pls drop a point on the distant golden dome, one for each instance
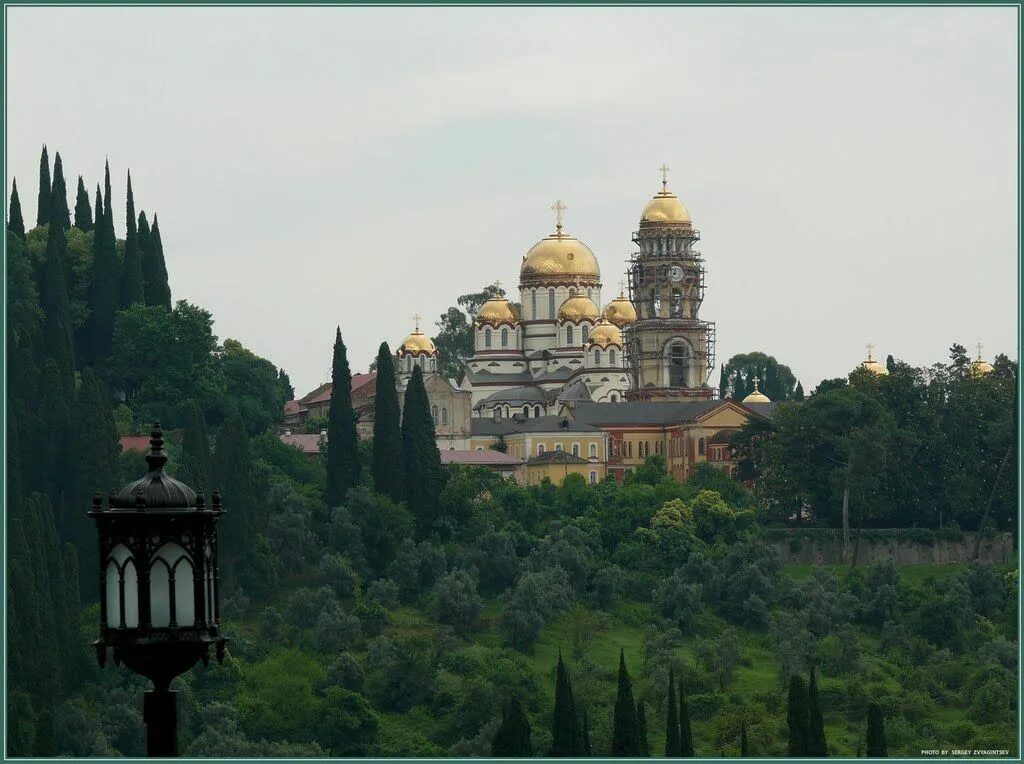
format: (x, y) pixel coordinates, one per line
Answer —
(981, 367)
(757, 396)
(417, 343)
(874, 366)
(497, 310)
(604, 334)
(560, 258)
(666, 208)
(579, 307)
(620, 311)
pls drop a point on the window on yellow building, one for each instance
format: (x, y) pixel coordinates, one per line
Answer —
(575, 449)
(593, 450)
(593, 477)
(700, 446)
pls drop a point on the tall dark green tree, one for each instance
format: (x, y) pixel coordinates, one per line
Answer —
(57, 309)
(685, 731)
(83, 211)
(817, 745)
(642, 744)
(387, 429)
(797, 716)
(45, 189)
(232, 476)
(565, 732)
(99, 206)
(15, 221)
(154, 270)
(774, 379)
(625, 740)
(194, 469)
(59, 212)
(286, 385)
(673, 747)
(424, 476)
(876, 746)
(342, 438)
(512, 740)
(798, 394)
(103, 290)
(132, 288)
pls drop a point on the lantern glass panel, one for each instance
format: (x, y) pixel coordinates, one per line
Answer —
(171, 558)
(208, 572)
(120, 574)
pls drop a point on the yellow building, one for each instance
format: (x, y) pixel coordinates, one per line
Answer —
(556, 466)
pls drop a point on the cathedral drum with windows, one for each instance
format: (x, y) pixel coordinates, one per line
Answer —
(669, 349)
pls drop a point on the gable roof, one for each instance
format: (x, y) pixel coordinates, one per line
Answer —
(322, 394)
(556, 457)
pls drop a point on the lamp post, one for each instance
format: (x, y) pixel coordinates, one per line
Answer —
(159, 604)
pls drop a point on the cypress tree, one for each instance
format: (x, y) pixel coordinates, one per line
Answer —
(817, 745)
(798, 394)
(797, 716)
(588, 749)
(144, 245)
(194, 470)
(513, 736)
(231, 475)
(83, 212)
(154, 270)
(876, 747)
(45, 189)
(564, 730)
(643, 746)
(99, 205)
(387, 429)
(743, 741)
(342, 438)
(685, 732)
(103, 291)
(673, 747)
(57, 308)
(132, 289)
(106, 189)
(624, 725)
(59, 203)
(15, 222)
(424, 477)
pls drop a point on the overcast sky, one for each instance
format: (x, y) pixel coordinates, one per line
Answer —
(853, 172)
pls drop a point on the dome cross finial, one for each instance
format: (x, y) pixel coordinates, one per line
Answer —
(416, 320)
(870, 348)
(979, 349)
(559, 209)
(664, 176)
(757, 379)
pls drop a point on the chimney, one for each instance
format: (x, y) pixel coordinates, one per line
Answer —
(287, 432)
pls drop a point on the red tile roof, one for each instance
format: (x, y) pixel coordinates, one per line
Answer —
(292, 407)
(309, 443)
(323, 393)
(486, 457)
(135, 443)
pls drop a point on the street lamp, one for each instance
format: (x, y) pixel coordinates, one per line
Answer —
(159, 603)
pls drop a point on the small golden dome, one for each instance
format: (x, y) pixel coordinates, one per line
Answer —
(604, 334)
(981, 367)
(666, 208)
(757, 396)
(497, 310)
(874, 367)
(579, 307)
(620, 311)
(417, 343)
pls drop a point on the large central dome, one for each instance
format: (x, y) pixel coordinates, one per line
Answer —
(560, 258)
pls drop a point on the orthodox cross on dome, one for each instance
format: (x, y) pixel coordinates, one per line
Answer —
(559, 209)
(756, 380)
(870, 347)
(979, 349)
(664, 176)
(416, 319)
(497, 285)
(622, 287)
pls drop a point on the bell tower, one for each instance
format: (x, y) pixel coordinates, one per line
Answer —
(670, 350)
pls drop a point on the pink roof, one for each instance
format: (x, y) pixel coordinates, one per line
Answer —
(486, 457)
(358, 380)
(135, 443)
(291, 407)
(308, 442)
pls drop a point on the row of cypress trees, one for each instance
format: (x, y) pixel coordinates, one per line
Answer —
(406, 463)
(806, 722)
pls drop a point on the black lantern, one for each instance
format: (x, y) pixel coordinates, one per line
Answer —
(158, 586)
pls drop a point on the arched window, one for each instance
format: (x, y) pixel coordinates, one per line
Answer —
(593, 450)
(444, 415)
(568, 335)
(676, 309)
(540, 449)
(497, 413)
(558, 446)
(586, 333)
(526, 412)
(614, 398)
(611, 356)
(700, 446)
(551, 304)
(597, 356)
(575, 449)
(504, 337)
(487, 338)
(536, 411)
(677, 365)
(433, 413)
(533, 304)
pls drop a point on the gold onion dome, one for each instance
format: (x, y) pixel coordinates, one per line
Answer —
(870, 364)
(497, 310)
(620, 311)
(417, 342)
(604, 334)
(665, 207)
(980, 367)
(560, 257)
(757, 396)
(579, 307)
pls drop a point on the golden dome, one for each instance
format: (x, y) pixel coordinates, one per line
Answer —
(560, 258)
(874, 367)
(666, 208)
(497, 310)
(604, 334)
(579, 307)
(757, 396)
(417, 343)
(980, 367)
(620, 311)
